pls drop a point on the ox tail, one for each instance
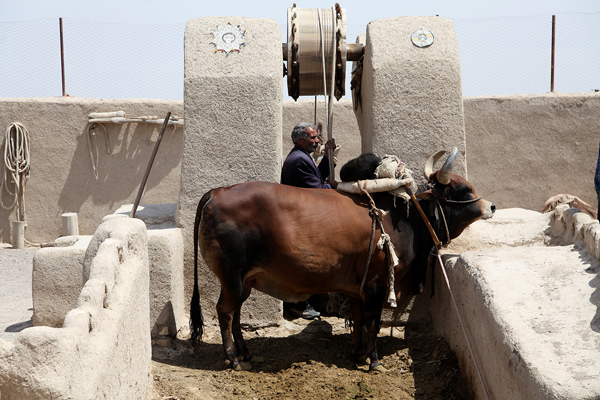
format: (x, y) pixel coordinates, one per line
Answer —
(196, 319)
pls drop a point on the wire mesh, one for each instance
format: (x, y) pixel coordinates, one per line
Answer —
(30, 58)
(577, 59)
(505, 55)
(499, 56)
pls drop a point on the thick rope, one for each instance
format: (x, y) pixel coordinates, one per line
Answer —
(339, 303)
(328, 102)
(331, 93)
(323, 63)
(16, 167)
(371, 242)
(462, 325)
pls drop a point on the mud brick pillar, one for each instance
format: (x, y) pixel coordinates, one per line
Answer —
(232, 134)
(411, 94)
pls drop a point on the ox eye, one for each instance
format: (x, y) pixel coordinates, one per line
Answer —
(459, 193)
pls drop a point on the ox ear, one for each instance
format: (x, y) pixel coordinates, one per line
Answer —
(435, 192)
(426, 195)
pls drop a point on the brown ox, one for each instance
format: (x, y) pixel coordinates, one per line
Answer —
(292, 243)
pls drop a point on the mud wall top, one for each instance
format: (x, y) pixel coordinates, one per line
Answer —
(520, 151)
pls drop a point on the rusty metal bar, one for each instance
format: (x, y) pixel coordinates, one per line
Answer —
(353, 51)
(552, 57)
(62, 56)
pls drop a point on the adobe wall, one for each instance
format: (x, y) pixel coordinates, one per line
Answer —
(521, 150)
(103, 348)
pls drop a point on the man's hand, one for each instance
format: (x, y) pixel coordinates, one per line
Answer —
(330, 144)
(334, 184)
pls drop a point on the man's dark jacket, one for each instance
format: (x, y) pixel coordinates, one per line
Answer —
(300, 170)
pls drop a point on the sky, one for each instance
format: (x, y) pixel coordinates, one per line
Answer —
(504, 44)
(357, 12)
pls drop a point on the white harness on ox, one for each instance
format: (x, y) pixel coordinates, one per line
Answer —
(395, 178)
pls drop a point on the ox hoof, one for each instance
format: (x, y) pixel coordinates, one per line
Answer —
(380, 369)
(243, 366)
(361, 360)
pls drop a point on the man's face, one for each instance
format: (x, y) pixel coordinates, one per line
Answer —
(311, 141)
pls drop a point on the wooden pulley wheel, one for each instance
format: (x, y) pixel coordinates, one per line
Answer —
(314, 34)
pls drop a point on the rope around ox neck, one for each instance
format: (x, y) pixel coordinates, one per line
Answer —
(384, 242)
(439, 206)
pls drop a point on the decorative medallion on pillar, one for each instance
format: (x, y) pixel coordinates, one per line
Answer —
(228, 38)
(422, 38)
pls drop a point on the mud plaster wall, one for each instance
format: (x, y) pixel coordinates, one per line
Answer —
(520, 151)
(523, 149)
(62, 179)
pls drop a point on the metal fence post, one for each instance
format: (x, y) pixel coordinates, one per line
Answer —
(552, 58)
(62, 56)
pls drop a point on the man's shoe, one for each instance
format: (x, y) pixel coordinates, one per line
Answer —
(310, 313)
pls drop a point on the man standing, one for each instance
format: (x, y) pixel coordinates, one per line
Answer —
(299, 169)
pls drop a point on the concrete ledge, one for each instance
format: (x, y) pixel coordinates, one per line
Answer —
(103, 349)
(531, 308)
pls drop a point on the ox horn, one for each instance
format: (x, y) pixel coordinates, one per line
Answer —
(428, 170)
(444, 174)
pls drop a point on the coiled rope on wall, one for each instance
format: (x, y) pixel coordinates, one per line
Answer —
(16, 168)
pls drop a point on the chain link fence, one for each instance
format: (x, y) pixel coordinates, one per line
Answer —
(499, 56)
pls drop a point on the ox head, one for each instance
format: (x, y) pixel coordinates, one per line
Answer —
(453, 196)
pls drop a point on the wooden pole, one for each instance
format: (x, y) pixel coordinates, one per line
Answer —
(149, 167)
(436, 241)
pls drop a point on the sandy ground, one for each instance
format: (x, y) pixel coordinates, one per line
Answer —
(16, 305)
(298, 359)
(310, 360)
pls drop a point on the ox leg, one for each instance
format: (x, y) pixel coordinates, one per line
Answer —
(373, 304)
(240, 343)
(228, 306)
(358, 324)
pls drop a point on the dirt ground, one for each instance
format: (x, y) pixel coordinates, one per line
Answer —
(302, 359)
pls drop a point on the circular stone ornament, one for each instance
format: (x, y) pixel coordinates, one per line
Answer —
(422, 38)
(228, 38)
